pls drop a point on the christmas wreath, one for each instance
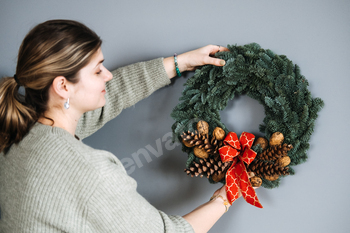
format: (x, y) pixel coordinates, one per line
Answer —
(217, 153)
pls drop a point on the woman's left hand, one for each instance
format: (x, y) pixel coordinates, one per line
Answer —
(191, 60)
(203, 56)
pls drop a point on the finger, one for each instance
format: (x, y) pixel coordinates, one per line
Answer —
(218, 191)
(214, 49)
(217, 48)
(224, 49)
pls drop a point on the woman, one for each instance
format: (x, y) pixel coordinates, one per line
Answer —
(50, 181)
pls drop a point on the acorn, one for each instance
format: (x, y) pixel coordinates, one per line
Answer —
(276, 139)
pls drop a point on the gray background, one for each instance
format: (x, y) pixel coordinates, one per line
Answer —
(313, 33)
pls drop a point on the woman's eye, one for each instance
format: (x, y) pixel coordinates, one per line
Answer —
(99, 72)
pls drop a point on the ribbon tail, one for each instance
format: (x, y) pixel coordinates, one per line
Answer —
(247, 189)
(232, 188)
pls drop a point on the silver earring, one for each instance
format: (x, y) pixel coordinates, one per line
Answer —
(66, 104)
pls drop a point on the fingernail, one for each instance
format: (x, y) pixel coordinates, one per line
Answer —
(222, 62)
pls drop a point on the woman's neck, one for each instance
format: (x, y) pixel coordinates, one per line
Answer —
(65, 121)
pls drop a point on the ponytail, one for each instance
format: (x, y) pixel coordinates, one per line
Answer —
(16, 118)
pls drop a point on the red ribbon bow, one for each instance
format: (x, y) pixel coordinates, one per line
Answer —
(237, 179)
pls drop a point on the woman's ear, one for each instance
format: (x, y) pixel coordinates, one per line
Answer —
(60, 87)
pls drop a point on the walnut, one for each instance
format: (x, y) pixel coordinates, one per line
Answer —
(284, 161)
(219, 133)
(276, 139)
(262, 142)
(203, 127)
(200, 152)
(255, 181)
(217, 178)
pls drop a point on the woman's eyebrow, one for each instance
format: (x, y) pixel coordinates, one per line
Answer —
(100, 62)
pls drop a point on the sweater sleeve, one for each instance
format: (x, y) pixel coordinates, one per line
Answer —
(116, 206)
(129, 85)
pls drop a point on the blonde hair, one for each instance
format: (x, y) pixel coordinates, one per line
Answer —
(53, 48)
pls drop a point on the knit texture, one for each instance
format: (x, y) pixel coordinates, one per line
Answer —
(53, 182)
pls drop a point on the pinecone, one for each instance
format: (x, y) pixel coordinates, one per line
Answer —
(263, 169)
(216, 145)
(208, 167)
(275, 152)
(196, 139)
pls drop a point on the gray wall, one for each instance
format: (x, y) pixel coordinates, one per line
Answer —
(313, 33)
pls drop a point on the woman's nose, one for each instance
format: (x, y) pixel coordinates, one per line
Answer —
(108, 75)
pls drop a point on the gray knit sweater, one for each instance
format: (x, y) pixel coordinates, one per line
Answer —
(53, 182)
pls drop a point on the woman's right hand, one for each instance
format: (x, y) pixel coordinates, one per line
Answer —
(222, 191)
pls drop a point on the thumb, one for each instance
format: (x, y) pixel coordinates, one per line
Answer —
(216, 61)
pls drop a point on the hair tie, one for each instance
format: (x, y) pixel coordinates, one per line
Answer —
(15, 77)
